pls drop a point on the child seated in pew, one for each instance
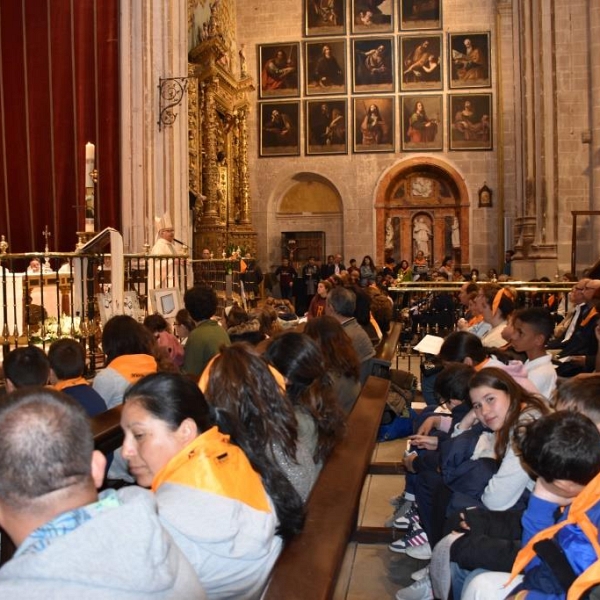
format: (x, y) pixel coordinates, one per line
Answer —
(493, 538)
(452, 390)
(531, 330)
(477, 469)
(67, 364)
(25, 366)
(563, 450)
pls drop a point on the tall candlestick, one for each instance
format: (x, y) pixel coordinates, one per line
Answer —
(90, 155)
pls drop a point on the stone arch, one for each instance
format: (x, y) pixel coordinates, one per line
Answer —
(422, 186)
(305, 202)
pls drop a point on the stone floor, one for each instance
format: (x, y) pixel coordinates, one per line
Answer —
(371, 571)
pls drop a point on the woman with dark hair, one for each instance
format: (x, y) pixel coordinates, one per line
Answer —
(339, 358)
(251, 406)
(184, 325)
(319, 301)
(309, 388)
(131, 352)
(210, 497)
(368, 272)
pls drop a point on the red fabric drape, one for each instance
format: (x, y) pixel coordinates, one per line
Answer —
(59, 89)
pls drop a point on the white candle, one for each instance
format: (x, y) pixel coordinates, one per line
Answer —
(90, 154)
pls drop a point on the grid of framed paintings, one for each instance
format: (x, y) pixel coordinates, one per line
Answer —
(382, 78)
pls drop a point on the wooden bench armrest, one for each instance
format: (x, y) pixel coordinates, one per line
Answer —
(386, 350)
(309, 565)
(106, 429)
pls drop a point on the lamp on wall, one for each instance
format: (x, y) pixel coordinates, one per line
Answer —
(485, 196)
(170, 95)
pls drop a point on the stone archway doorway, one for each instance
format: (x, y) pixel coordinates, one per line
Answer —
(422, 204)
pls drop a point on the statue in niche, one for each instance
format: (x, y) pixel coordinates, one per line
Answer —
(421, 236)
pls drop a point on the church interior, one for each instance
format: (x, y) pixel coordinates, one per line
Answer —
(297, 129)
(491, 152)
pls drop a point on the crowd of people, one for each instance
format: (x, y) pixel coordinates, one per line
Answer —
(228, 422)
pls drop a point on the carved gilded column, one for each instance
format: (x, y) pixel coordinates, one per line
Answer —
(211, 170)
(244, 176)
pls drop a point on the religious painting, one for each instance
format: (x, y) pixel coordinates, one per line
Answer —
(373, 61)
(485, 196)
(279, 129)
(373, 16)
(324, 17)
(420, 62)
(470, 121)
(325, 67)
(469, 60)
(278, 70)
(326, 127)
(374, 124)
(422, 127)
(420, 14)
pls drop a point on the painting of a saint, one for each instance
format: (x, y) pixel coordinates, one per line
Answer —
(326, 127)
(373, 65)
(422, 123)
(420, 14)
(469, 60)
(278, 75)
(470, 119)
(374, 124)
(373, 16)
(325, 17)
(421, 62)
(325, 70)
(279, 131)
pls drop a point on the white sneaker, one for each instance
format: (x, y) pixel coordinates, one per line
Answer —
(419, 590)
(422, 552)
(418, 575)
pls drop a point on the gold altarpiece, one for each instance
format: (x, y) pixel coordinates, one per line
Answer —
(218, 147)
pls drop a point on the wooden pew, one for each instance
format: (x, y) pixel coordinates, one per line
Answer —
(386, 351)
(309, 565)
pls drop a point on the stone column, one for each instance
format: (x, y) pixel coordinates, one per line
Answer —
(154, 163)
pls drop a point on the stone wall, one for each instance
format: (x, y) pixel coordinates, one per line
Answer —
(357, 176)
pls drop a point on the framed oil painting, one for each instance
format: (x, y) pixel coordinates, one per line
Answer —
(279, 129)
(326, 127)
(373, 65)
(374, 124)
(422, 127)
(325, 67)
(469, 60)
(470, 122)
(324, 17)
(420, 14)
(278, 70)
(373, 16)
(420, 62)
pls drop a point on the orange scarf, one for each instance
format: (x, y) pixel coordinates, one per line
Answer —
(588, 497)
(134, 366)
(589, 317)
(212, 464)
(475, 320)
(66, 383)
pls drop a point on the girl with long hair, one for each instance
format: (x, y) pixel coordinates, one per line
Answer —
(309, 388)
